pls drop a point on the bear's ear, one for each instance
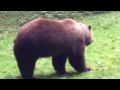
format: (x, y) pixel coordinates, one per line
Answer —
(89, 26)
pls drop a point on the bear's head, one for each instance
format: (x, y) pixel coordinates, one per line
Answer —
(88, 34)
(89, 37)
(90, 40)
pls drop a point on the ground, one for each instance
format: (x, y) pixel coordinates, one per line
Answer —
(102, 55)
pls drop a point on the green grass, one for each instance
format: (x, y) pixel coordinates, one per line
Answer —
(102, 55)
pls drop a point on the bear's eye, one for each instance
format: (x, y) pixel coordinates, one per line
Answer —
(89, 26)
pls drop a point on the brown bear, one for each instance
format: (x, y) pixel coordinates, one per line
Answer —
(60, 39)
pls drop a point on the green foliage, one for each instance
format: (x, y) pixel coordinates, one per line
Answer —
(102, 55)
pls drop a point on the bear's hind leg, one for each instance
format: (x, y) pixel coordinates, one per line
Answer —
(26, 66)
(59, 64)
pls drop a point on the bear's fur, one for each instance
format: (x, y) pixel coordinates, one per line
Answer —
(60, 39)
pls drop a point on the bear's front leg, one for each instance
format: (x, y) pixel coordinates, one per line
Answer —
(59, 64)
(77, 59)
(78, 63)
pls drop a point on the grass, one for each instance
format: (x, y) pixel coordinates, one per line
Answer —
(102, 55)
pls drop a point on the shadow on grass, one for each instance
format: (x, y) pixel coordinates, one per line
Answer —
(56, 76)
(51, 76)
